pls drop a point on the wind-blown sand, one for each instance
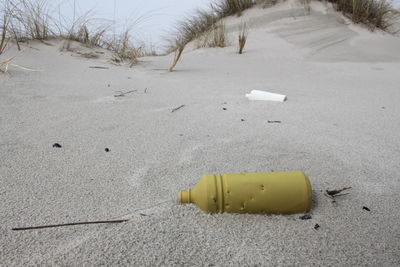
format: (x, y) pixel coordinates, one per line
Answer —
(340, 126)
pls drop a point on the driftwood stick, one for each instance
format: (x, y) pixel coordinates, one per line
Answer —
(98, 67)
(175, 109)
(124, 93)
(65, 224)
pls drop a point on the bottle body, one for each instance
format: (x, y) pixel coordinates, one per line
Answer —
(274, 192)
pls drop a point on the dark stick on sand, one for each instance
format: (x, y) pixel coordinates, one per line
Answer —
(65, 224)
(98, 67)
(124, 93)
(175, 109)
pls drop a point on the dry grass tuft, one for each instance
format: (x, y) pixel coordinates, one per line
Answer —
(226, 8)
(215, 37)
(83, 30)
(373, 13)
(189, 30)
(218, 35)
(31, 18)
(124, 49)
(243, 33)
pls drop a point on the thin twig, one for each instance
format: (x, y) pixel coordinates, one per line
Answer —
(124, 93)
(337, 191)
(16, 39)
(98, 67)
(65, 224)
(175, 109)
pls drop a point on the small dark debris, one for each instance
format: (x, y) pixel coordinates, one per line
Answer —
(274, 121)
(242, 119)
(366, 208)
(305, 217)
(383, 107)
(120, 93)
(177, 108)
(107, 149)
(181, 135)
(98, 67)
(108, 85)
(224, 108)
(337, 191)
(142, 214)
(316, 226)
(145, 90)
(57, 145)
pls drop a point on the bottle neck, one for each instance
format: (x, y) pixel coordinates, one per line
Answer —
(185, 196)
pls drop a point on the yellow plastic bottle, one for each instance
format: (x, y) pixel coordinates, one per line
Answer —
(274, 192)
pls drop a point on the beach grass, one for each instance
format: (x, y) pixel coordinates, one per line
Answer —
(24, 20)
(373, 13)
(243, 33)
(203, 22)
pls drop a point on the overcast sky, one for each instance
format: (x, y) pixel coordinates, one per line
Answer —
(157, 16)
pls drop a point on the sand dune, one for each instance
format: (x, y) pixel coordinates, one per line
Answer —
(339, 125)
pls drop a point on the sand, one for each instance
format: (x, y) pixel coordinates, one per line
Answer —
(339, 125)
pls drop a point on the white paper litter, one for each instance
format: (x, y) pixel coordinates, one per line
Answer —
(263, 95)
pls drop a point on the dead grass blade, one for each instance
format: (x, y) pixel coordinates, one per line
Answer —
(335, 192)
(178, 54)
(6, 63)
(243, 33)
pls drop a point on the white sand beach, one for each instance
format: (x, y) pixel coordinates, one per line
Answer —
(339, 125)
